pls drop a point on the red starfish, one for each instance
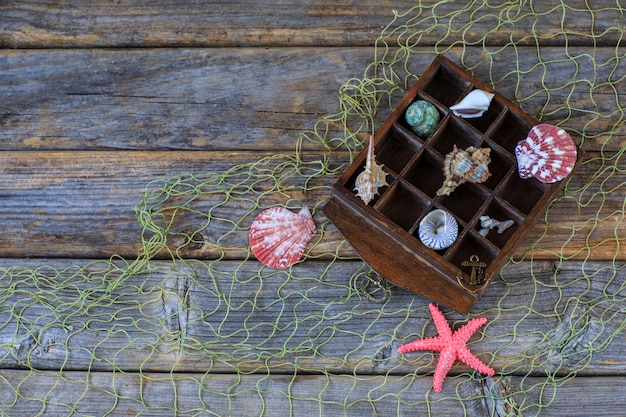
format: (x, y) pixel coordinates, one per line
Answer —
(451, 345)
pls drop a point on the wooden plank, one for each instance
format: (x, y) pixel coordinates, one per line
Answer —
(223, 99)
(82, 205)
(205, 23)
(228, 315)
(39, 24)
(25, 393)
(259, 99)
(74, 198)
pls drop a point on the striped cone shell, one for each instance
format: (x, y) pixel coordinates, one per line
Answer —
(548, 154)
(278, 236)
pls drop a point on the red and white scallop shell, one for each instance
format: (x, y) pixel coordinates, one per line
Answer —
(278, 236)
(548, 154)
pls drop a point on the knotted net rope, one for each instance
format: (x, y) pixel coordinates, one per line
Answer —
(169, 333)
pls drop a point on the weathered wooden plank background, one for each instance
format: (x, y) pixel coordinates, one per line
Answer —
(100, 98)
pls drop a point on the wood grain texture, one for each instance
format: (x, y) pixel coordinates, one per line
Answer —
(168, 99)
(40, 24)
(253, 98)
(192, 394)
(194, 318)
(204, 23)
(82, 205)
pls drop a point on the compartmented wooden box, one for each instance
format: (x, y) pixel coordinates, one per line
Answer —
(385, 232)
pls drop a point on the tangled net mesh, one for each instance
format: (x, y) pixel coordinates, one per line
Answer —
(196, 326)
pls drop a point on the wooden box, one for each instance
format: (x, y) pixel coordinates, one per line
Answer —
(384, 232)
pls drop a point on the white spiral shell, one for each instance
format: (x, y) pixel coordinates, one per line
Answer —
(438, 229)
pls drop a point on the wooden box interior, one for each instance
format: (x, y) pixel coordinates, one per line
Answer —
(384, 233)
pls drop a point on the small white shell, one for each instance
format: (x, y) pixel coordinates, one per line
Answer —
(473, 105)
(438, 229)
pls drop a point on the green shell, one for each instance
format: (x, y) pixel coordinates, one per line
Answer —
(422, 117)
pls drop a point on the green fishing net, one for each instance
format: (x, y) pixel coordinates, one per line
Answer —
(195, 326)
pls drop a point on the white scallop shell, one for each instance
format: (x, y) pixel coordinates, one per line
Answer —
(438, 229)
(279, 236)
(473, 105)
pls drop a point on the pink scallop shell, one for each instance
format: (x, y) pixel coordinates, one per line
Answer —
(548, 154)
(278, 236)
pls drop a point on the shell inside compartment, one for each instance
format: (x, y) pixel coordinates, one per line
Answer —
(438, 229)
(460, 166)
(372, 178)
(548, 154)
(473, 105)
(422, 117)
(279, 236)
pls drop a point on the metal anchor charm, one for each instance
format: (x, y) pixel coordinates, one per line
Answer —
(477, 275)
